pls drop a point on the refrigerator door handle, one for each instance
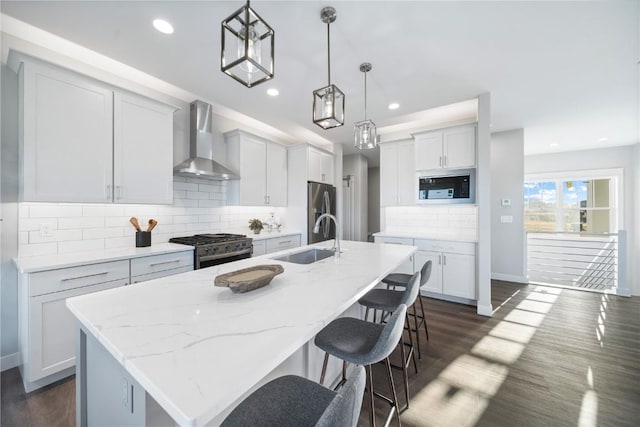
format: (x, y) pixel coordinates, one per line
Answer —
(326, 207)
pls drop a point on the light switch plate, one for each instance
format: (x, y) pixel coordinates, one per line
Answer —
(506, 219)
(505, 202)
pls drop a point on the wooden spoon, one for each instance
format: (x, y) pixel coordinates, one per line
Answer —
(152, 224)
(133, 220)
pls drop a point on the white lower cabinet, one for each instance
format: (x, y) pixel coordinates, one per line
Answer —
(275, 244)
(47, 329)
(407, 266)
(453, 267)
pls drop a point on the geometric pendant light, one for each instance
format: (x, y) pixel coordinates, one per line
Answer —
(247, 47)
(365, 135)
(328, 102)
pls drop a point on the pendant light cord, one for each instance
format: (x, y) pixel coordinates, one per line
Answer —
(329, 53)
(365, 95)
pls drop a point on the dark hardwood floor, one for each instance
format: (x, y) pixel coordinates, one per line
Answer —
(548, 357)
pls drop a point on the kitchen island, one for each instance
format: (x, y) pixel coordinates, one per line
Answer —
(178, 350)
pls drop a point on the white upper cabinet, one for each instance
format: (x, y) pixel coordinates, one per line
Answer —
(143, 150)
(66, 136)
(449, 148)
(84, 141)
(320, 166)
(262, 166)
(397, 186)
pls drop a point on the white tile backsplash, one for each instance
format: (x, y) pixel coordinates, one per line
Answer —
(76, 227)
(442, 222)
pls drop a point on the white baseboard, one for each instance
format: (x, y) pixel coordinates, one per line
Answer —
(509, 278)
(485, 310)
(9, 361)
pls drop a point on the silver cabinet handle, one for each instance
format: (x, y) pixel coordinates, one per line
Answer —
(440, 161)
(268, 200)
(439, 259)
(118, 192)
(83, 277)
(445, 161)
(108, 192)
(323, 178)
(153, 264)
(444, 260)
(284, 242)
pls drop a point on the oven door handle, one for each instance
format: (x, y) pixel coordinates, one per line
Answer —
(225, 255)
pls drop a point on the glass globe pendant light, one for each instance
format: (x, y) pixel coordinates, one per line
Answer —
(365, 134)
(247, 47)
(328, 102)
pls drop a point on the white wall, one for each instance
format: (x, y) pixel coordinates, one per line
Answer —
(625, 157)
(356, 165)
(507, 180)
(9, 214)
(373, 208)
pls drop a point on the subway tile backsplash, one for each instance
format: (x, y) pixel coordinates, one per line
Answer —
(440, 222)
(199, 206)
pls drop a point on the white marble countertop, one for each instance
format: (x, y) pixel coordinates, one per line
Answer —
(196, 348)
(421, 235)
(51, 262)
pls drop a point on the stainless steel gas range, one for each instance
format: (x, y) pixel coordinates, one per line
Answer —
(215, 249)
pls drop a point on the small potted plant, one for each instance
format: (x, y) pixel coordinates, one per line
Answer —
(255, 225)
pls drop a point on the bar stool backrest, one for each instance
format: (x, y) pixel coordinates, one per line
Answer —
(425, 273)
(344, 409)
(411, 291)
(389, 337)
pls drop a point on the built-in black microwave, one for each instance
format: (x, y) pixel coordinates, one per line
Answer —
(457, 186)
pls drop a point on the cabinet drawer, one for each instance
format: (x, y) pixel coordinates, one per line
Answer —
(466, 248)
(159, 274)
(76, 277)
(156, 263)
(259, 248)
(395, 240)
(281, 243)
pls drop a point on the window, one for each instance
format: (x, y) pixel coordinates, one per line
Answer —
(570, 205)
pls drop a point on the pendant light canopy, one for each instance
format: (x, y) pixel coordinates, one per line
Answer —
(328, 102)
(365, 134)
(247, 47)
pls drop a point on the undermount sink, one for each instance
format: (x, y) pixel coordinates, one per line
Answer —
(306, 257)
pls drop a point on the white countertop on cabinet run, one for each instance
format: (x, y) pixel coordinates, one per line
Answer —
(419, 235)
(51, 262)
(264, 235)
(196, 348)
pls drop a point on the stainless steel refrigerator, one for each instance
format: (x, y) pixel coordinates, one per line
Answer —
(321, 198)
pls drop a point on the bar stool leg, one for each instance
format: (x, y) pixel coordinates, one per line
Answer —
(372, 409)
(405, 376)
(393, 391)
(324, 368)
(413, 353)
(415, 322)
(424, 318)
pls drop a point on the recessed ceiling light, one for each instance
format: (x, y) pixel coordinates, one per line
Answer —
(553, 144)
(603, 139)
(273, 92)
(163, 26)
(394, 106)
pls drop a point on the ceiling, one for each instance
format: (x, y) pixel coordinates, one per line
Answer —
(566, 72)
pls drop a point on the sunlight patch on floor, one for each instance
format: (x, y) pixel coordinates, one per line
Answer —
(535, 306)
(475, 374)
(513, 331)
(525, 317)
(498, 349)
(589, 410)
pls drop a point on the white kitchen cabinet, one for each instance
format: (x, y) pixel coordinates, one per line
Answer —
(85, 141)
(156, 266)
(47, 328)
(453, 268)
(262, 166)
(142, 150)
(259, 248)
(407, 266)
(397, 177)
(66, 136)
(282, 243)
(449, 148)
(320, 166)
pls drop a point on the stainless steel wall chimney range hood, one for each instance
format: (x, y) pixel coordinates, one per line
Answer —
(200, 132)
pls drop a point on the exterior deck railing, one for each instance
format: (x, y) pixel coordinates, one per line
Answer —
(593, 261)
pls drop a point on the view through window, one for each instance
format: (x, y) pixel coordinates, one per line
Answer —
(570, 205)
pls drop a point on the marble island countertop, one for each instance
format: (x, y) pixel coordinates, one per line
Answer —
(196, 348)
(448, 237)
